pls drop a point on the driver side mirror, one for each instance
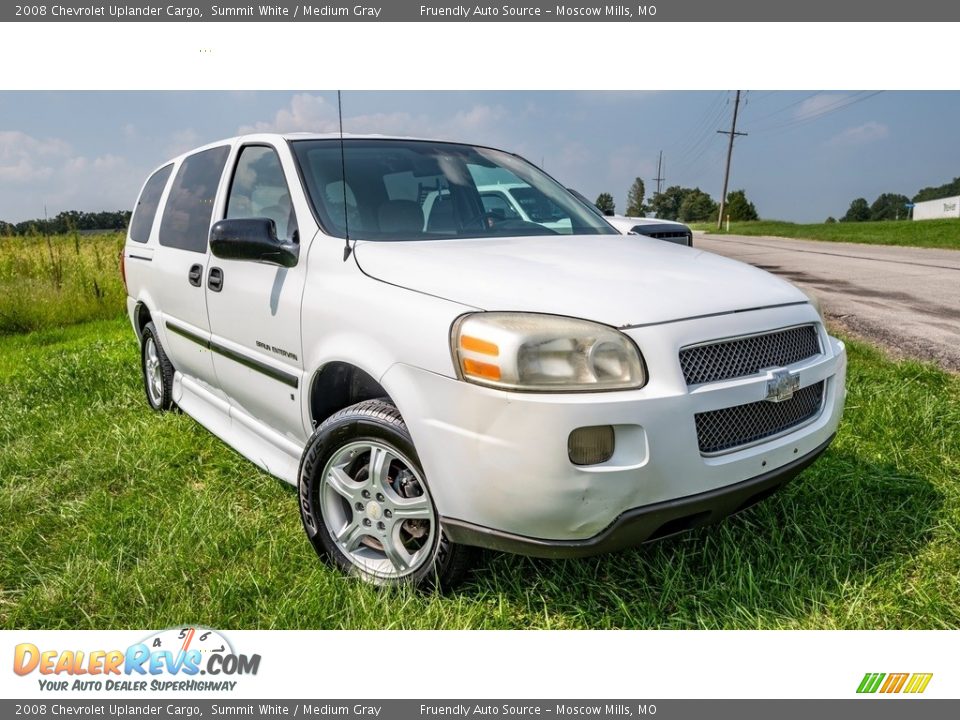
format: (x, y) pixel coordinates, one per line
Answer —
(252, 239)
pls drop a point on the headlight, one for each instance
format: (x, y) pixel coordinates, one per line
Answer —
(527, 351)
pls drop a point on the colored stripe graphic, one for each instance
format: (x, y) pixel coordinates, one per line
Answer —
(918, 682)
(870, 682)
(894, 683)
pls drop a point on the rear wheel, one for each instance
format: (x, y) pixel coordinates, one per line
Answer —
(365, 502)
(157, 370)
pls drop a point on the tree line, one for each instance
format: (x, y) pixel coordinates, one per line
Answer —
(68, 221)
(681, 203)
(893, 206)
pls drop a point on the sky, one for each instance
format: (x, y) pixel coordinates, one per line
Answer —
(806, 154)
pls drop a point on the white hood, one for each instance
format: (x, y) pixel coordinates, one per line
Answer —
(618, 280)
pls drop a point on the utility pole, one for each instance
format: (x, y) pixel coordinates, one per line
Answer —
(732, 132)
(659, 178)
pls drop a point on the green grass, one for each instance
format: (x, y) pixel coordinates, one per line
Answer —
(926, 233)
(52, 281)
(117, 517)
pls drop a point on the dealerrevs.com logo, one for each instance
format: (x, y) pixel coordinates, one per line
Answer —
(179, 659)
(891, 683)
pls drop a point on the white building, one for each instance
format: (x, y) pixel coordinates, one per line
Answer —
(940, 208)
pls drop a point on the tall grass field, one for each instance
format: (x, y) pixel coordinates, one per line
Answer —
(48, 281)
(114, 516)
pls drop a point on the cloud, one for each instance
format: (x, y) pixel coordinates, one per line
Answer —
(478, 117)
(181, 141)
(305, 113)
(46, 172)
(860, 135)
(615, 97)
(24, 158)
(821, 102)
(315, 113)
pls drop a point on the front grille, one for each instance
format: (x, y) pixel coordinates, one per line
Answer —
(728, 428)
(668, 235)
(674, 236)
(748, 355)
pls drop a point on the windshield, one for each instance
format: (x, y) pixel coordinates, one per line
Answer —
(415, 190)
(590, 206)
(538, 207)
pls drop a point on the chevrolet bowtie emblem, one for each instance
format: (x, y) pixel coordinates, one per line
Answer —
(781, 385)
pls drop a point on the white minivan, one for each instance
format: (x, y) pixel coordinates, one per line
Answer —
(434, 376)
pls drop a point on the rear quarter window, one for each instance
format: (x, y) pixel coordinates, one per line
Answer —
(146, 209)
(187, 215)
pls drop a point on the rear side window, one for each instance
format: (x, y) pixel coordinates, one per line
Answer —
(146, 209)
(186, 218)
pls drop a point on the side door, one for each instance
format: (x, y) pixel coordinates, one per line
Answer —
(255, 307)
(181, 260)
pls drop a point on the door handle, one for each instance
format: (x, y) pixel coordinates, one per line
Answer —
(195, 275)
(215, 279)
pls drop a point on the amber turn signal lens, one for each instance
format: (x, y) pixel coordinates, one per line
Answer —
(483, 347)
(481, 369)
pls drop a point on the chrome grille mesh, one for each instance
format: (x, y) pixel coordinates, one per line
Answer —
(669, 235)
(728, 428)
(748, 355)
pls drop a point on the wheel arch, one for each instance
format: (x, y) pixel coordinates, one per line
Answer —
(340, 384)
(141, 316)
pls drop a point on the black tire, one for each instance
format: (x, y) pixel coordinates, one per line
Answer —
(159, 387)
(444, 564)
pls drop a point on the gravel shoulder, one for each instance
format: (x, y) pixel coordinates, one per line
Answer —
(905, 299)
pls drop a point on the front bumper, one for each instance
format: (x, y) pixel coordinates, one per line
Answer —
(497, 463)
(643, 524)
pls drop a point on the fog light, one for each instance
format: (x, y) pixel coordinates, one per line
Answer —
(591, 445)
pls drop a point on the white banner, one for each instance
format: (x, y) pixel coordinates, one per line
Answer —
(197, 662)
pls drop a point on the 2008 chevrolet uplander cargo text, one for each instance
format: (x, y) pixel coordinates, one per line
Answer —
(439, 375)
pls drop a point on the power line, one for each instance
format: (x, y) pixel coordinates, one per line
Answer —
(706, 167)
(790, 105)
(705, 136)
(843, 104)
(701, 128)
(707, 146)
(703, 122)
(838, 103)
(698, 149)
(762, 96)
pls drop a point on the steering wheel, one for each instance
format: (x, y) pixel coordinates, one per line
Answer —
(485, 220)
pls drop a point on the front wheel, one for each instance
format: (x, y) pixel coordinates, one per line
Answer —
(365, 503)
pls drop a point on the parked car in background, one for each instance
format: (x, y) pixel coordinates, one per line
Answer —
(651, 227)
(433, 372)
(519, 200)
(668, 230)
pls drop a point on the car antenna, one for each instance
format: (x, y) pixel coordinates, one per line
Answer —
(343, 182)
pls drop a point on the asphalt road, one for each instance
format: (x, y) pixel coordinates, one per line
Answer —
(907, 299)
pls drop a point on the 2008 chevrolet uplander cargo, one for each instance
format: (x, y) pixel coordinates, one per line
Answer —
(439, 375)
